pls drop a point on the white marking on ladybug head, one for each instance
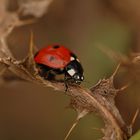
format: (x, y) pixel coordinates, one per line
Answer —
(72, 58)
(71, 72)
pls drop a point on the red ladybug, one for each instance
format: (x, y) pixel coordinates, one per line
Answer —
(57, 59)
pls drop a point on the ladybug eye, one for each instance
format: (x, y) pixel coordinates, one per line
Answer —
(56, 47)
(82, 78)
(76, 76)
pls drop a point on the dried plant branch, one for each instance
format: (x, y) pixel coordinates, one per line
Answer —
(100, 98)
(36, 8)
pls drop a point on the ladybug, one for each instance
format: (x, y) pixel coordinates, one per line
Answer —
(55, 60)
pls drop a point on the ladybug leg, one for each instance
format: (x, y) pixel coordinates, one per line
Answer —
(41, 70)
(67, 80)
(49, 76)
(66, 83)
(45, 72)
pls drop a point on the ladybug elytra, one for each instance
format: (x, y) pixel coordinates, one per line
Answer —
(57, 59)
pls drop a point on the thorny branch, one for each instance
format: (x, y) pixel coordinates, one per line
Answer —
(100, 98)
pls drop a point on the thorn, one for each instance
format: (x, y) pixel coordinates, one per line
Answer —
(108, 52)
(81, 114)
(92, 88)
(134, 117)
(124, 87)
(30, 55)
(31, 46)
(72, 127)
(28, 61)
(115, 72)
(117, 57)
(132, 123)
(26, 22)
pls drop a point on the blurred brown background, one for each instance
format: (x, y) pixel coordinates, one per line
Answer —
(31, 112)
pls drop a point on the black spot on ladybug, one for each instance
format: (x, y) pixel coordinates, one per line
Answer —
(56, 46)
(51, 58)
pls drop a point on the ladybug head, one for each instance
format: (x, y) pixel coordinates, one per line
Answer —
(78, 78)
(75, 71)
